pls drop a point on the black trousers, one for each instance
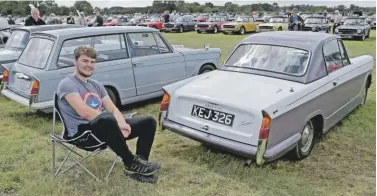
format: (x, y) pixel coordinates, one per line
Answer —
(106, 129)
(334, 26)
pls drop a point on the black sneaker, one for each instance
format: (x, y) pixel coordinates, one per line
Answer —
(142, 167)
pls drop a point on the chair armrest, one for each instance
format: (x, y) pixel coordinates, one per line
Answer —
(129, 115)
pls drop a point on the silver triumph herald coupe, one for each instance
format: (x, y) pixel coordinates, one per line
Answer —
(274, 94)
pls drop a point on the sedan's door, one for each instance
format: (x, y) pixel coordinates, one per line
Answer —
(155, 64)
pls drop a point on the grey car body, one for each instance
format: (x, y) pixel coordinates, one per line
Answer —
(18, 40)
(361, 29)
(133, 63)
(183, 23)
(321, 90)
(316, 24)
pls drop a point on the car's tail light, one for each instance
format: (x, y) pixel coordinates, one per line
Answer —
(35, 88)
(5, 76)
(265, 127)
(165, 102)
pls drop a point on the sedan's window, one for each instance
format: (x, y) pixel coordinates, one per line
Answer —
(344, 54)
(66, 56)
(161, 44)
(332, 55)
(270, 58)
(142, 44)
(36, 53)
(18, 39)
(110, 47)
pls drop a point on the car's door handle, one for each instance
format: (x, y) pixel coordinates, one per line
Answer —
(334, 83)
(135, 64)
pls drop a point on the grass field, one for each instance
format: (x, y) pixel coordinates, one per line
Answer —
(342, 163)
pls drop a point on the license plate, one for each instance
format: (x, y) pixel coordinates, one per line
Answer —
(22, 84)
(213, 115)
(346, 36)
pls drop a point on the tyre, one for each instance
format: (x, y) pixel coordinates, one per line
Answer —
(198, 31)
(364, 95)
(215, 30)
(280, 29)
(225, 33)
(306, 143)
(363, 37)
(242, 30)
(113, 96)
(206, 68)
(368, 34)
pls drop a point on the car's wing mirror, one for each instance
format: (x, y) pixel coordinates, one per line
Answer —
(5, 39)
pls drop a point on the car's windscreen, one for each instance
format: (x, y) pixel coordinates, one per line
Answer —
(354, 21)
(270, 58)
(276, 20)
(217, 19)
(155, 19)
(242, 19)
(314, 21)
(18, 40)
(36, 53)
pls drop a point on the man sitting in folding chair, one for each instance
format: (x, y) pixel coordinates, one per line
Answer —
(81, 101)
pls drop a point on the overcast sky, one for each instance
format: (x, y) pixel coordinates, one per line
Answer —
(143, 3)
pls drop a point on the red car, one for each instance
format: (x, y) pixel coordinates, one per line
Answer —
(113, 21)
(213, 25)
(155, 22)
(201, 18)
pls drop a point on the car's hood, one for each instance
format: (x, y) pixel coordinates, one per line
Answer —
(207, 23)
(233, 23)
(351, 27)
(174, 23)
(7, 54)
(269, 24)
(238, 89)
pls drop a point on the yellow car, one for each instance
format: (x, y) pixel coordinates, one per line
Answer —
(276, 23)
(242, 25)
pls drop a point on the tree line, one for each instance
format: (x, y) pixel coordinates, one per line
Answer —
(46, 7)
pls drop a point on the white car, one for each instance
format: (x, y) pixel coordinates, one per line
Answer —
(275, 93)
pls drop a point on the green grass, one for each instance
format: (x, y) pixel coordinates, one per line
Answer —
(342, 163)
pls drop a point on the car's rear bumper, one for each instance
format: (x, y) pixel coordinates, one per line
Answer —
(25, 101)
(235, 147)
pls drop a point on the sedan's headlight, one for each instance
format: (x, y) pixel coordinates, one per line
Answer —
(336, 30)
(358, 30)
(209, 26)
(196, 26)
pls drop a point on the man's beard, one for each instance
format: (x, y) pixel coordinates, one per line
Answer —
(84, 74)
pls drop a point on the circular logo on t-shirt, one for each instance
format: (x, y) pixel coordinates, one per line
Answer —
(93, 100)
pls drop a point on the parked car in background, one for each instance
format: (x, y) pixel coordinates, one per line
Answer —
(182, 24)
(201, 18)
(18, 40)
(241, 25)
(373, 22)
(317, 24)
(133, 63)
(213, 25)
(276, 23)
(282, 90)
(115, 21)
(154, 22)
(354, 27)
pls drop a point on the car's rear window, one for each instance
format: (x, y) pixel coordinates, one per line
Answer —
(36, 53)
(272, 58)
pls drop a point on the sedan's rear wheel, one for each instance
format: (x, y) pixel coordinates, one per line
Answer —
(364, 94)
(215, 30)
(306, 143)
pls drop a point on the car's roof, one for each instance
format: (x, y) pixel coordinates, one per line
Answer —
(79, 32)
(278, 16)
(47, 27)
(296, 39)
(316, 16)
(356, 17)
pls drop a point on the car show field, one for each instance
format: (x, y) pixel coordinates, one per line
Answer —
(342, 162)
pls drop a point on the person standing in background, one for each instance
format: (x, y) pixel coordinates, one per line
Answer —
(99, 19)
(337, 19)
(10, 20)
(81, 20)
(70, 19)
(166, 16)
(34, 19)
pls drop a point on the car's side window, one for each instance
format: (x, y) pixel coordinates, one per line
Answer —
(66, 56)
(161, 44)
(343, 53)
(110, 47)
(142, 44)
(332, 55)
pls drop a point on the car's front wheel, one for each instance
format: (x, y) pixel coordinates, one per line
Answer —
(242, 30)
(206, 68)
(364, 94)
(306, 143)
(181, 29)
(113, 96)
(215, 30)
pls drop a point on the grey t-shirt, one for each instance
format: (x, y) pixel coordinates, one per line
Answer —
(92, 92)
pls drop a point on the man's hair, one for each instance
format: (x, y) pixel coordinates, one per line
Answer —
(34, 9)
(85, 50)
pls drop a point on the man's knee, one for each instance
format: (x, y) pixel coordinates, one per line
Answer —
(105, 118)
(151, 122)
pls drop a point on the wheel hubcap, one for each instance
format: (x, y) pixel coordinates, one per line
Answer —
(307, 137)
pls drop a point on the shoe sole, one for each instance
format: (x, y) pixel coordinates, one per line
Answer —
(143, 174)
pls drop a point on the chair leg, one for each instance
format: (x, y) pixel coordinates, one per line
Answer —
(65, 159)
(53, 157)
(111, 168)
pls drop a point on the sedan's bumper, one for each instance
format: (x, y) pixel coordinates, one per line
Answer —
(171, 29)
(265, 30)
(229, 30)
(350, 36)
(235, 147)
(25, 101)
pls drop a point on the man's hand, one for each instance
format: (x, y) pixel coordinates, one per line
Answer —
(125, 128)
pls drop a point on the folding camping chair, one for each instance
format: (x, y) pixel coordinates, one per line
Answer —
(64, 142)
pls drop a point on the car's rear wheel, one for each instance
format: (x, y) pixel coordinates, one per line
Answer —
(306, 143)
(280, 29)
(206, 68)
(113, 96)
(364, 94)
(225, 33)
(363, 37)
(368, 34)
(198, 31)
